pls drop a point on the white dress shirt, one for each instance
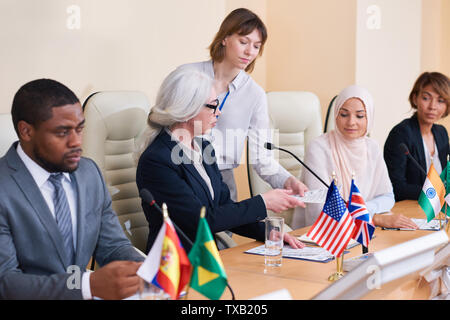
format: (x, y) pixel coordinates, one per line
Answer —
(40, 176)
(428, 156)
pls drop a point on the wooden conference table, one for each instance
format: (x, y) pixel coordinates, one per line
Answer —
(249, 278)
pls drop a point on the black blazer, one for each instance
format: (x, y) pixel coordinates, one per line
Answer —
(184, 191)
(406, 178)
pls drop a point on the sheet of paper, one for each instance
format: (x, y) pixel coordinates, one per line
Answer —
(424, 225)
(313, 196)
(307, 253)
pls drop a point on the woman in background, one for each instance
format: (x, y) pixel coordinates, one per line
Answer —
(348, 151)
(426, 141)
(181, 171)
(243, 103)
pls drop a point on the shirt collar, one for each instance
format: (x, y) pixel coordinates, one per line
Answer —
(39, 174)
(237, 82)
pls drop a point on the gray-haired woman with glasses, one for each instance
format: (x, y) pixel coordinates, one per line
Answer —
(179, 168)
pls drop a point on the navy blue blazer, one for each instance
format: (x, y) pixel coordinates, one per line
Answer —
(407, 180)
(181, 187)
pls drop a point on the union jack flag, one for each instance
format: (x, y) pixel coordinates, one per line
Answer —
(363, 222)
(334, 227)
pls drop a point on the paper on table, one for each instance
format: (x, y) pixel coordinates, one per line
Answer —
(424, 225)
(307, 240)
(307, 253)
(313, 196)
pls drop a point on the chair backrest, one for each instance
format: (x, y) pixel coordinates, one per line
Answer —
(329, 118)
(296, 119)
(8, 134)
(114, 121)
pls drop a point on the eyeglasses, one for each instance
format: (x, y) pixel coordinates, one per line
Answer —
(213, 106)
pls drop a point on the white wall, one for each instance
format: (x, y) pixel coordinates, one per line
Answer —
(388, 57)
(121, 44)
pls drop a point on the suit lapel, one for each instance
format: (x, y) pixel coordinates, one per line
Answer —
(186, 163)
(194, 172)
(418, 138)
(439, 142)
(215, 182)
(33, 195)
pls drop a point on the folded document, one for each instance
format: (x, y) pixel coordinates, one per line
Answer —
(307, 253)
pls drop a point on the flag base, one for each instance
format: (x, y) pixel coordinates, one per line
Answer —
(339, 269)
(335, 276)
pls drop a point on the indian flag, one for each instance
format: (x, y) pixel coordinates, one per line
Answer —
(431, 197)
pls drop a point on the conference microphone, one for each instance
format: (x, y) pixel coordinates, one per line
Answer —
(271, 146)
(147, 196)
(406, 152)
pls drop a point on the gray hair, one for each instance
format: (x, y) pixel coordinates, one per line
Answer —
(180, 98)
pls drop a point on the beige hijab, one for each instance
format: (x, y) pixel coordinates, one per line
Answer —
(352, 155)
(332, 152)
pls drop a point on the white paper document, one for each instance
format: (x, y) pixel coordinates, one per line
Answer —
(424, 225)
(307, 253)
(313, 196)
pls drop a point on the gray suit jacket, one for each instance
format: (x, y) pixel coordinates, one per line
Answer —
(32, 259)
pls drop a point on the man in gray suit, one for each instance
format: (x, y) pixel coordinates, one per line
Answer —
(55, 209)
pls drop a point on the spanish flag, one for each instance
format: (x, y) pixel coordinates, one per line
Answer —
(174, 269)
(208, 274)
(167, 265)
(432, 196)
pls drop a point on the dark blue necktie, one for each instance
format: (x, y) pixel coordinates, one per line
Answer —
(62, 214)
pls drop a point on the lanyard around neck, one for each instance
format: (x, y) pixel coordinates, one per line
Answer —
(224, 99)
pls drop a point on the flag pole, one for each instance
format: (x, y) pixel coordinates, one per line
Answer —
(364, 248)
(440, 213)
(446, 217)
(339, 260)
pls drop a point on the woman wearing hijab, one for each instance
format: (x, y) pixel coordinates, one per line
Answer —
(426, 141)
(180, 169)
(243, 103)
(348, 152)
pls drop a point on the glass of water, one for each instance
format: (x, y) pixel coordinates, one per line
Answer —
(274, 241)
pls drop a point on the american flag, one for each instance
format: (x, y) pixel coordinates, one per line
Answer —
(334, 227)
(358, 210)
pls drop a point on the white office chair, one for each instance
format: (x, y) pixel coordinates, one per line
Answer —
(296, 118)
(114, 121)
(8, 134)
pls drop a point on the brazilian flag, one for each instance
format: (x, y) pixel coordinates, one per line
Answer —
(208, 275)
(445, 177)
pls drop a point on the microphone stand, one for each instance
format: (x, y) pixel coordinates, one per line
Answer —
(271, 146)
(407, 153)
